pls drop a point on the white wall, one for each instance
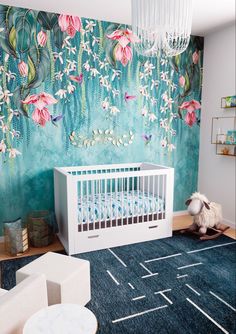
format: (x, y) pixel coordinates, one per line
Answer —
(217, 173)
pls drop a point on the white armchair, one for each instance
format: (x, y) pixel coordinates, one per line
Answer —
(18, 304)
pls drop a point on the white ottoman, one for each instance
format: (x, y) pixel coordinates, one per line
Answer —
(68, 278)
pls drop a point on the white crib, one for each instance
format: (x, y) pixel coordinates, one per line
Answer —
(106, 206)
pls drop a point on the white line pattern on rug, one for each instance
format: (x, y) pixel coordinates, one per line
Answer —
(113, 278)
(191, 288)
(146, 276)
(182, 276)
(163, 257)
(142, 265)
(132, 287)
(137, 298)
(223, 301)
(190, 265)
(163, 295)
(117, 257)
(208, 317)
(206, 248)
(139, 314)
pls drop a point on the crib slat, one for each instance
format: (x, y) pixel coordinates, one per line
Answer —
(153, 194)
(111, 215)
(87, 208)
(99, 200)
(105, 205)
(143, 198)
(133, 200)
(148, 193)
(81, 203)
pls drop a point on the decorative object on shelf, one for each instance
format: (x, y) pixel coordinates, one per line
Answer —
(231, 137)
(225, 151)
(228, 102)
(162, 26)
(42, 226)
(221, 138)
(15, 237)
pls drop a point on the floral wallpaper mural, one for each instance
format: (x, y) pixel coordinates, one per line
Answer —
(74, 92)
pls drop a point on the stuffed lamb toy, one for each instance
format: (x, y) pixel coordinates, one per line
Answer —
(205, 214)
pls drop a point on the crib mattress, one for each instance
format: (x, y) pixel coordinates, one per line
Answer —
(117, 205)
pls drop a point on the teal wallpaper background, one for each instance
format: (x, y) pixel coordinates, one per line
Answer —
(72, 92)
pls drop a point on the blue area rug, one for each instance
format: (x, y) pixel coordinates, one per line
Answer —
(176, 285)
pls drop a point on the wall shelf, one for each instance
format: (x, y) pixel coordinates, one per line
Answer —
(228, 102)
(223, 135)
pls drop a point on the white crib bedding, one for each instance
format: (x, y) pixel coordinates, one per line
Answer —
(117, 205)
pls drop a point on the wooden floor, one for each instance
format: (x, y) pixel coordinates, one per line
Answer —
(180, 222)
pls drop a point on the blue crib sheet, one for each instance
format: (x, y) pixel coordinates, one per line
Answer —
(117, 205)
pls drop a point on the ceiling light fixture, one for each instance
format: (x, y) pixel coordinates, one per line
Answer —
(162, 26)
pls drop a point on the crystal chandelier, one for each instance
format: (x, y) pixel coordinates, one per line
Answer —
(162, 26)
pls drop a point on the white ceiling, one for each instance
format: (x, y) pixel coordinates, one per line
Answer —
(208, 14)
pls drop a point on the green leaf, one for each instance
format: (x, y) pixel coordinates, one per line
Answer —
(20, 94)
(24, 22)
(4, 10)
(47, 20)
(5, 43)
(41, 62)
(59, 36)
(12, 38)
(32, 70)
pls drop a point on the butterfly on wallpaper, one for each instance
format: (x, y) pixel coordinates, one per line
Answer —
(129, 97)
(146, 138)
(77, 78)
(56, 119)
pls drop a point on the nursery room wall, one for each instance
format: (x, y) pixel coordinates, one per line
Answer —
(217, 173)
(72, 94)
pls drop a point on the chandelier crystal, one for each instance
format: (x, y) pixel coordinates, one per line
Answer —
(162, 26)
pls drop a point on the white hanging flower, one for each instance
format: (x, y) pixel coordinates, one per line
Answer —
(70, 88)
(5, 96)
(71, 50)
(164, 142)
(144, 112)
(114, 110)
(154, 84)
(59, 75)
(105, 104)
(90, 25)
(152, 117)
(148, 67)
(15, 134)
(94, 72)
(61, 93)
(116, 74)
(2, 146)
(86, 66)
(66, 42)
(115, 92)
(13, 152)
(58, 55)
(96, 40)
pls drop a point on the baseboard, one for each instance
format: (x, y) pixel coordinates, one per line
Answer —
(180, 213)
(229, 223)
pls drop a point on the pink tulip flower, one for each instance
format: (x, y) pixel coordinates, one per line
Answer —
(42, 38)
(41, 116)
(23, 69)
(182, 81)
(124, 55)
(195, 57)
(70, 24)
(40, 100)
(124, 37)
(190, 118)
(191, 106)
